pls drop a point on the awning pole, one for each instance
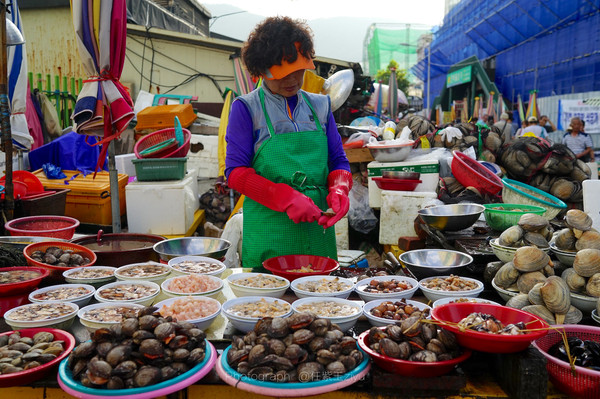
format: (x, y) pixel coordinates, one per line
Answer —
(7, 147)
(114, 189)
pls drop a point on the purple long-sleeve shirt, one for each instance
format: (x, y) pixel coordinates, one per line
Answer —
(240, 139)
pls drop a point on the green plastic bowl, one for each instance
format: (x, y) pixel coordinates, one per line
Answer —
(509, 215)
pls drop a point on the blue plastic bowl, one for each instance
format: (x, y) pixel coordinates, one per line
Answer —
(516, 192)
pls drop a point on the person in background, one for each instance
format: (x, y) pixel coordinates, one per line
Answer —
(284, 151)
(533, 129)
(579, 142)
(519, 131)
(505, 127)
(547, 124)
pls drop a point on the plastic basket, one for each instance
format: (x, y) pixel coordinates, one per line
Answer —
(585, 383)
(56, 271)
(469, 172)
(160, 169)
(516, 192)
(160, 136)
(44, 226)
(502, 219)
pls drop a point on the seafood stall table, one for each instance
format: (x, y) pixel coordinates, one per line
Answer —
(478, 377)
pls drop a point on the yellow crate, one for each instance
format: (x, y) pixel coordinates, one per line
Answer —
(163, 116)
(89, 198)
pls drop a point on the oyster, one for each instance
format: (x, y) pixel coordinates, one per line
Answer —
(587, 262)
(530, 259)
(555, 294)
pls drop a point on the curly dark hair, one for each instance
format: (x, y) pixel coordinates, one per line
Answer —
(273, 40)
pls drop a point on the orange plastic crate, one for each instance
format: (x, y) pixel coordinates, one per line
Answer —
(89, 198)
(163, 116)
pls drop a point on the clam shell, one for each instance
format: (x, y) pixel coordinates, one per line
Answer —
(593, 285)
(532, 222)
(541, 311)
(578, 219)
(562, 189)
(573, 316)
(575, 282)
(565, 239)
(555, 294)
(589, 239)
(530, 259)
(518, 301)
(534, 295)
(511, 236)
(506, 276)
(527, 280)
(535, 239)
(548, 270)
(587, 262)
(493, 142)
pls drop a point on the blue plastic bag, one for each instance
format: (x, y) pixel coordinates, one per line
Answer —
(53, 172)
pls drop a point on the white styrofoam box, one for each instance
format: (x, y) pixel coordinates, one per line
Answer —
(429, 169)
(206, 160)
(591, 205)
(398, 212)
(594, 169)
(164, 207)
(342, 237)
(124, 164)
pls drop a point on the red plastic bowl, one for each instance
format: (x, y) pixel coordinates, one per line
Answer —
(280, 265)
(408, 368)
(56, 271)
(34, 374)
(22, 287)
(585, 383)
(43, 226)
(396, 184)
(485, 342)
(161, 136)
(469, 172)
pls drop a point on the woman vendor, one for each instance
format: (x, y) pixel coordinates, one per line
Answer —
(284, 151)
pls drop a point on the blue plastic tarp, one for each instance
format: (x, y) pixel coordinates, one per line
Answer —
(70, 152)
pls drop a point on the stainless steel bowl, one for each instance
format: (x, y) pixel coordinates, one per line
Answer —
(201, 246)
(390, 153)
(394, 174)
(451, 217)
(434, 262)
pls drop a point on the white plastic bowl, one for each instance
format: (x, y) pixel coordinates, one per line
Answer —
(242, 290)
(62, 322)
(146, 301)
(93, 325)
(585, 303)
(504, 294)
(178, 272)
(306, 294)
(344, 322)
(175, 294)
(565, 257)
(246, 324)
(367, 296)
(80, 301)
(443, 301)
(96, 282)
(434, 295)
(380, 321)
(156, 278)
(203, 322)
(504, 253)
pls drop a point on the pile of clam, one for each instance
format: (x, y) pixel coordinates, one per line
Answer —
(295, 348)
(59, 257)
(19, 353)
(414, 340)
(529, 266)
(143, 350)
(549, 300)
(584, 276)
(578, 234)
(531, 230)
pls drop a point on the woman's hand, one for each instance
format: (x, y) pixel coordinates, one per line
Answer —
(340, 183)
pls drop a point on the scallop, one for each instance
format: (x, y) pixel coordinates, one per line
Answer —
(555, 294)
(506, 275)
(518, 301)
(534, 295)
(565, 240)
(589, 239)
(530, 259)
(593, 285)
(526, 281)
(511, 236)
(531, 222)
(587, 262)
(575, 282)
(541, 311)
(578, 219)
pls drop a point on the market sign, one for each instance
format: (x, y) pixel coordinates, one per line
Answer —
(590, 114)
(458, 77)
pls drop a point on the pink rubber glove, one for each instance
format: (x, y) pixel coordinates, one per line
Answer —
(276, 196)
(339, 183)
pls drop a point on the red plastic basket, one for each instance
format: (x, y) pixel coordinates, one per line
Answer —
(469, 172)
(160, 136)
(56, 271)
(43, 226)
(585, 383)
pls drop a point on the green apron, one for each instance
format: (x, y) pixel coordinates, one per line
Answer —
(299, 159)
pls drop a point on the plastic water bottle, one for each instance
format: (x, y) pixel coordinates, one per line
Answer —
(389, 130)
